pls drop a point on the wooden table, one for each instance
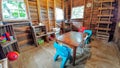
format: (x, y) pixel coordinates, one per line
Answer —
(73, 40)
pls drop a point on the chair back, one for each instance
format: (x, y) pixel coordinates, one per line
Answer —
(89, 32)
(62, 50)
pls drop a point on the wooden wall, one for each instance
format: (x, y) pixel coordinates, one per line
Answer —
(90, 16)
(67, 10)
(33, 11)
(117, 30)
(87, 14)
(23, 34)
(0, 11)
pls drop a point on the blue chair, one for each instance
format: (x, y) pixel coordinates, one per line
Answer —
(89, 32)
(64, 52)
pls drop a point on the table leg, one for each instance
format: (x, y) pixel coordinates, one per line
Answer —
(74, 56)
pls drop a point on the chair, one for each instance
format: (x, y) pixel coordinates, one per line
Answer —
(63, 52)
(89, 32)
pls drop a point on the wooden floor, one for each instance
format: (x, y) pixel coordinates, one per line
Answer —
(103, 55)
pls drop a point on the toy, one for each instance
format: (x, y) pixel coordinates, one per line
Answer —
(2, 39)
(11, 38)
(40, 41)
(7, 36)
(51, 37)
(12, 56)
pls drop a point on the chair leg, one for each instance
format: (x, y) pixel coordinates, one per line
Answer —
(70, 59)
(64, 60)
(56, 56)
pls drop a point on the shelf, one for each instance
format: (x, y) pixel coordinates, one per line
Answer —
(106, 8)
(8, 43)
(41, 35)
(104, 22)
(106, 1)
(103, 38)
(37, 26)
(21, 29)
(106, 15)
(99, 28)
(48, 33)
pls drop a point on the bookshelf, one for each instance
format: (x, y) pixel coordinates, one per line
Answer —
(104, 19)
(10, 44)
(40, 34)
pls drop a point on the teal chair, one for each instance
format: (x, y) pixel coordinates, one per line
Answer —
(64, 52)
(89, 32)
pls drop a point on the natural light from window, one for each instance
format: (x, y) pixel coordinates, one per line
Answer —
(14, 10)
(77, 12)
(59, 14)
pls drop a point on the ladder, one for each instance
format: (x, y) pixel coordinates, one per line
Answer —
(104, 19)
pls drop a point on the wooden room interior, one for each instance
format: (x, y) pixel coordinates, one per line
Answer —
(50, 34)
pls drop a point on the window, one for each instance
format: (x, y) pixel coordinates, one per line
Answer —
(59, 14)
(77, 12)
(14, 10)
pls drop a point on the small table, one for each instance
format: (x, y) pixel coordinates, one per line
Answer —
(73, 40)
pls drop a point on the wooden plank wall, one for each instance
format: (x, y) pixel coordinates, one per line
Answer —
(67, 10)
(23, 34)
(75, 3)
(90, 15)
(87, 14)
(117, 31)
(32, 6)
(0, 11)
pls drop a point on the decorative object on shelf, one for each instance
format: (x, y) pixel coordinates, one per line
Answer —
(7, 36)
(89, 5)
(11, 38)
(2, 39)
(56, 30)
(41, 24)
(12, 56)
